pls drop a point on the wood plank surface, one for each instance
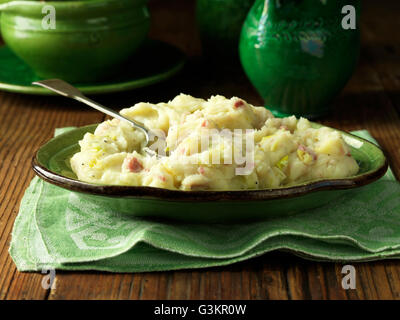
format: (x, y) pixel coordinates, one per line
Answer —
(371, 100)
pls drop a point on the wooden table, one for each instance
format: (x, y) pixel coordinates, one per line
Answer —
(371, 100)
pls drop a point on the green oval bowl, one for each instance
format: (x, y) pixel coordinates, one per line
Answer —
(51, 163)
(90, 41)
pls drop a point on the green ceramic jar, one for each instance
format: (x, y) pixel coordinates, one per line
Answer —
(220, 23)
(297, 54)
(91, 39)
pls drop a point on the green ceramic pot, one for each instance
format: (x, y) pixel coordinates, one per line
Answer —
(90, 41)
(220, 23)
(297, 55)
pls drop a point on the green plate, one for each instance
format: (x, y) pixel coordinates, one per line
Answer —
(156, 61)
(51, 163)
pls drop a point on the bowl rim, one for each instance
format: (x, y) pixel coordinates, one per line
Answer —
(206, 195)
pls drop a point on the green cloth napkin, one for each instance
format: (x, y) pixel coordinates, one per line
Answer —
(55, 229)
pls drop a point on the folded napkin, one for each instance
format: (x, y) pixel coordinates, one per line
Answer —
(55, 229)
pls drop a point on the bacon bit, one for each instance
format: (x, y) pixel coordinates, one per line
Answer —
(301, 147)
(162, 178)
(239, 104)
(204, 123)
(201, 170)
(134, 165)
(284, 127)
(308, 150)
(348, 154)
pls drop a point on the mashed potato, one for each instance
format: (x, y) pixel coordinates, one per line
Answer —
(277, 152)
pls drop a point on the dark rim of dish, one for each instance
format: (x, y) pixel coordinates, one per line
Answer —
(204, 196)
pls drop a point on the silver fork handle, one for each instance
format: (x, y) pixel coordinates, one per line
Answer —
(65, 89)
(113, 114)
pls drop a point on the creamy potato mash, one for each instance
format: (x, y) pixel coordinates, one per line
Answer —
(284, 151)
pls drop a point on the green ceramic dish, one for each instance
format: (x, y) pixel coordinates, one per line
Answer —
(154, 62)
(90, 39)
(51, 163)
